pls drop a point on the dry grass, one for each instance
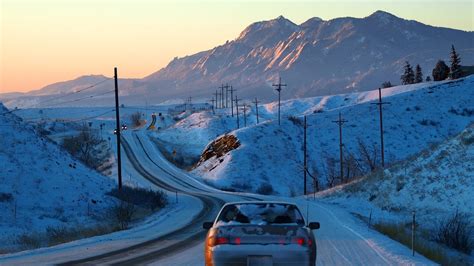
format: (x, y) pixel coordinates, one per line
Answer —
(400, 233)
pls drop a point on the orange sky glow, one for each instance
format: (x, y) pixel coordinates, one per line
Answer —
(43, 42)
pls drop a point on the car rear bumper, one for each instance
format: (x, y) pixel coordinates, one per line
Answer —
(276, 255)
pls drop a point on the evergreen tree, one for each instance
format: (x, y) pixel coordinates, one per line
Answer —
(441, 71)
(418, 74)
(428, 78)
(387, 84)
(408, 76)
(455, 64)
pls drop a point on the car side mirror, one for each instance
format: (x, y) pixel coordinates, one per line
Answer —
(207, 225)
(314, 225)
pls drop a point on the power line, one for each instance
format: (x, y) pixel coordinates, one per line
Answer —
(75, 92)
(28, 119)
(92, 117)
(80, 99)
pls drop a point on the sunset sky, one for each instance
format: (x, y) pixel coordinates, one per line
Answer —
(47, 41)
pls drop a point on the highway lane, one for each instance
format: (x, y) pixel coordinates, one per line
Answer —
(181, 239)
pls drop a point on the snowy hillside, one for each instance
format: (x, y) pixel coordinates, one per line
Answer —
(315, 58)
(42, 186)
(419, 115)
(439, 180)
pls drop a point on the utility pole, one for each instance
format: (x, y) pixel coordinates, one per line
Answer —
(226, 95)
(117, 118)
(237, 110)
(217, 102)
(380, 103)
(189, 103)
(256, 107)
(340, 122)
(278, 88)
(245, 115)
(222, 95)
(305, 159)
(212, 106)
(231, 100)
(219, 105)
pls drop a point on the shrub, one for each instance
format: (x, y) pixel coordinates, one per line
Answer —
(387, 84)
(141, 197)
(467, 140)
(85, 146)
(428, 122)
(26, 241)
(296, 121)
(441, 71)
(6, 197)
(135, 117)
(265, 189)
(122, 213)
(60, 234)
(456, 232)
(399, 232)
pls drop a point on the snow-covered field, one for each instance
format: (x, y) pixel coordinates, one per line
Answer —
(43, 186)
(419, 115)
(436, 183)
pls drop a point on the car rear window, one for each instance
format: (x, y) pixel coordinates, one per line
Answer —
(261, 214)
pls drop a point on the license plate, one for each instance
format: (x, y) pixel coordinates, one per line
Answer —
(259, 261)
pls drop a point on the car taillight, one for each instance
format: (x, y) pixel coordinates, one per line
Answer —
(302, 241)
(221, 240)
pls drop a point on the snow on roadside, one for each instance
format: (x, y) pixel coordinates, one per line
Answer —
(434, 183)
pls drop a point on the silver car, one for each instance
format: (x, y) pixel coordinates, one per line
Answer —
(260, 233)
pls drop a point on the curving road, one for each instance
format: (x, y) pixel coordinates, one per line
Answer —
(164, 176)
(342, 239)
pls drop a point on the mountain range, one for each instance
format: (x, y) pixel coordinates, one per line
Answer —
(317, 57)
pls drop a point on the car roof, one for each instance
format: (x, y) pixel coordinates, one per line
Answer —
(259, 202)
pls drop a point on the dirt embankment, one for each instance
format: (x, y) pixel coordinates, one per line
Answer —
(219, 147)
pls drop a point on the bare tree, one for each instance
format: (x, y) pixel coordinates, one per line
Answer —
(123, 213)
(331, 173)
(84, 145)
(352, 167)
(368, 155)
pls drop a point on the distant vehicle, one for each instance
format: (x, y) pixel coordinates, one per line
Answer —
(260, 233)
(124, 127)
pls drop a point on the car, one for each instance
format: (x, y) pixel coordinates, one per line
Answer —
(260, 233)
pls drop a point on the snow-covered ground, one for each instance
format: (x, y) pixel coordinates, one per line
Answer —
(435, 183)
(418, 116)
(43, 186)
(342, 239)
(50, 188)
(412, 121)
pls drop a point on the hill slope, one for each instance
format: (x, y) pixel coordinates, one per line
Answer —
(439, 180)
(315, 58)
(43, 186)
(418, 116)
